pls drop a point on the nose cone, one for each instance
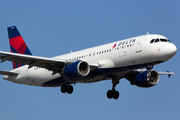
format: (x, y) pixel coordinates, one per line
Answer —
(171, 50)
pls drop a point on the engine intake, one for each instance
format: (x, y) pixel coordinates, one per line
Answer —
(77, 69)
(146, 79)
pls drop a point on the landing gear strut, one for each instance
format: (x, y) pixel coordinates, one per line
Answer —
(149, 67)
(113, 93)
(67, 88)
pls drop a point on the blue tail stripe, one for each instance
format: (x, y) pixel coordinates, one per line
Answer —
(13, 50)
(16, 65)
(27, 52)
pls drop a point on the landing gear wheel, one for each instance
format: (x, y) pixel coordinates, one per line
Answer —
(109, 94)
(112, 94)
(64, 88)
(69, 89)
(115, 94)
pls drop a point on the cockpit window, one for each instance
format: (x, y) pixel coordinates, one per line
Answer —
(163, 40)
(157, 40)
(152, 41)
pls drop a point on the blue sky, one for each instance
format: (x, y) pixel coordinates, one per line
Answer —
(55, 27)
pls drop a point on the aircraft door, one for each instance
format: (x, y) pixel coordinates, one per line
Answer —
(139, 44)
(92, 56)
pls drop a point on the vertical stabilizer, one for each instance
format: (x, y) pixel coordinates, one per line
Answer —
(17, 44)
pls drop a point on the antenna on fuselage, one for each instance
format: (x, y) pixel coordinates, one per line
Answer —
(147, 33)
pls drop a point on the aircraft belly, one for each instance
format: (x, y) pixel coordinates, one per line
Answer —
(97, 75)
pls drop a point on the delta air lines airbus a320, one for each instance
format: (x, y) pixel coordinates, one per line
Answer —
(114, 61)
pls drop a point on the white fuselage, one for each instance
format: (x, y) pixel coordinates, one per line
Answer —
(115, 58)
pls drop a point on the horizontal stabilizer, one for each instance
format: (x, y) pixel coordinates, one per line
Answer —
(8, 73)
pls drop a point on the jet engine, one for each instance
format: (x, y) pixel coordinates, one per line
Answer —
(77, 69)
(146, 79)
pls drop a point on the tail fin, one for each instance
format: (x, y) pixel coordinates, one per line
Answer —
(17, 44)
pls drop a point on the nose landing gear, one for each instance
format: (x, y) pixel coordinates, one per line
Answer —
(149, 67)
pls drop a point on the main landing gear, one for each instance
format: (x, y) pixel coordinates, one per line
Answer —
(67, 88)
(113, 93)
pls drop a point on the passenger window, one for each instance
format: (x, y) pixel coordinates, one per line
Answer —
(157, 40)
(152, 41)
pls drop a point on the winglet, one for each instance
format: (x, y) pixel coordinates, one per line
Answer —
(169, 75)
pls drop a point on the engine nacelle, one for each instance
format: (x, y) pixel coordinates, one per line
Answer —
(77, 69)
(146, 79)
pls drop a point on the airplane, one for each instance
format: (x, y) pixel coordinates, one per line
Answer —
(113, 61)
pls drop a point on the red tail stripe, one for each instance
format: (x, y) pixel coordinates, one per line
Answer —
(14, 43)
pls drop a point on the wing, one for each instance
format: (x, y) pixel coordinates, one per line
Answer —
(166, 73)
(142, 70)
(52, 64)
